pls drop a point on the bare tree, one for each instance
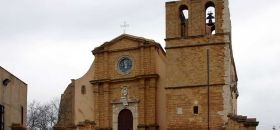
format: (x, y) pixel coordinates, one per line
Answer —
(42, 116)
(53, 118)
(32, 115)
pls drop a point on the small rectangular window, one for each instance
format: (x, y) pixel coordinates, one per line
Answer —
(195, 110)
(83, 90)
(22, 114)
(2, 111)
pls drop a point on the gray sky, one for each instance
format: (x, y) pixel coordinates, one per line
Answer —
(48, 42)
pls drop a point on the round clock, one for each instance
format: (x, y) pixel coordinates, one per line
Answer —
(125, 65)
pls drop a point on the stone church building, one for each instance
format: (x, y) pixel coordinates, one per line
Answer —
(135, 84)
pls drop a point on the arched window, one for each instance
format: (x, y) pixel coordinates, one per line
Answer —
(184, 16)
(83, 89)
(6, 82)
(210, 18)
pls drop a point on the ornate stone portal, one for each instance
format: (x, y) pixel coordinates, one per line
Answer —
(118, 107)
(125, 103)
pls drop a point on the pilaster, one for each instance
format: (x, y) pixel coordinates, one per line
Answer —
(142, 112)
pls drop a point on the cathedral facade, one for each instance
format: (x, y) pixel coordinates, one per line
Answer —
(135, 84)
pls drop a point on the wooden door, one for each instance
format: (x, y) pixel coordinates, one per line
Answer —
(125, 120)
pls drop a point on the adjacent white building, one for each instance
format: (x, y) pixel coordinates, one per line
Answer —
(13, 101)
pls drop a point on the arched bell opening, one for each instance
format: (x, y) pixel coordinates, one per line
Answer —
(210, 25)
(184, 16)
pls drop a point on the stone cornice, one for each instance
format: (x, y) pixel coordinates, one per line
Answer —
(247, 122)
(251, 122)
(118, 101)
(124, 79)
(198, 36)
(144, 43)
(196, 45)
(99, 50)
(194, 86)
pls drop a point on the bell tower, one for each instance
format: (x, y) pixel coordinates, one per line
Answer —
(201, 80)
(191, 18)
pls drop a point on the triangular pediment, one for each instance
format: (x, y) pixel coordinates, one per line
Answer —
(124, 41)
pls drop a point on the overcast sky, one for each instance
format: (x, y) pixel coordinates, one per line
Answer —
(48, 42)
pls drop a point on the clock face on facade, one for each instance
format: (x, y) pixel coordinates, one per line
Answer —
(125, 65)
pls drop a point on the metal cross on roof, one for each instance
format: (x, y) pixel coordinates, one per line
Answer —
(124, 26)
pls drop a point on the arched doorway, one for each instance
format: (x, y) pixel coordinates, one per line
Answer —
(125, 120)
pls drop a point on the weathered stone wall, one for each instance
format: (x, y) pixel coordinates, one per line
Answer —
(66, 108)
(84, 97)
(190, 70)
(181, 102)
(238, 122)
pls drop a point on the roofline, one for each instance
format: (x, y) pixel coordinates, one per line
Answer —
(13, 75)
(97, 49)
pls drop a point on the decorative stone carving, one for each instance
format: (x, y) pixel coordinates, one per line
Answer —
(124, 101)
(124, 93)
